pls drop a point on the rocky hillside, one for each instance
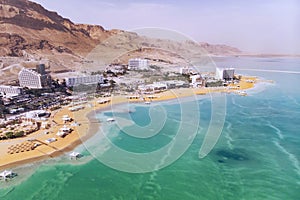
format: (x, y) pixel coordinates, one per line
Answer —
(25, 25)
(30, 32)
(220, 49)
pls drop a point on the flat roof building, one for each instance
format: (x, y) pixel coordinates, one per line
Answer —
(10, 90)
(224, 73)
(83, 80)
(138, 64)
(184, 70)
(35, 79)
(152, 88)
(196, 80)
(171, 84)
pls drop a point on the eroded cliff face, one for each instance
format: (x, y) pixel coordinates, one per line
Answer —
(219, 49)
(25, 25)
(29, 32)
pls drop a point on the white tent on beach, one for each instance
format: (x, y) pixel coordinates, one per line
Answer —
(65, 129)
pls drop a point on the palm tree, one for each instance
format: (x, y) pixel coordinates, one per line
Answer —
(2, 107)
(112, 84)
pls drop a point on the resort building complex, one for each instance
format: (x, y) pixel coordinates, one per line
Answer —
(7, 90)
(138, 64)
(196, 80)
(224, 73)
(93, 79)
(34, 78)
(184, 70)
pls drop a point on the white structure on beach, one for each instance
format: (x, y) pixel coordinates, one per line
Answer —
(66, 118)
(103, 101)
(84, 80)
(74, 155)
(138, 64)
(50, 140)
(6, 174)
(65, 129)
(224, 73)
(76, 108)
(110, 119)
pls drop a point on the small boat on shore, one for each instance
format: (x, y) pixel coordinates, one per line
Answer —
(6, 174)
(74, 155)
(242, 93)
(110, 119)
(147, 102)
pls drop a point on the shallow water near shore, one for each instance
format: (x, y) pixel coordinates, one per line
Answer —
(256, 157)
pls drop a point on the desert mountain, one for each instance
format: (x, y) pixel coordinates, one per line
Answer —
(29, 32)
(28, 26)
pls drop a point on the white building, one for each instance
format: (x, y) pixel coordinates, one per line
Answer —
(138, 64)
(184, 70)
(171, 84)
(153, 88)
(83, 80)
(36, 114)
(32, 79)
(196, 80)
(224, 73)
(116, 69)
(10, 90)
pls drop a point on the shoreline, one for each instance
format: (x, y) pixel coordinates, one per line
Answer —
(86, 117)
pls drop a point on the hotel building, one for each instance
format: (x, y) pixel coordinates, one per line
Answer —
(224, 73)
(34, 78)
(138, 64)
(196, 80)
(93, 79)
(184, 70)
(10, 90)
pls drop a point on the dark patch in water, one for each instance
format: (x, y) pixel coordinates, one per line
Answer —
(232, 155)
(221, 161)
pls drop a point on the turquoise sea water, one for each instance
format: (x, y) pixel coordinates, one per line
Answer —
(256, 157)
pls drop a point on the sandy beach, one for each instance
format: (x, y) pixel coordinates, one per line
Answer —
(85, 117)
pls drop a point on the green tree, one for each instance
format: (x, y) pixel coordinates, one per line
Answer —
(10, 135)
(19, 134)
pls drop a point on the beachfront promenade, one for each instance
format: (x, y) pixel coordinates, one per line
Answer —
(36, 148)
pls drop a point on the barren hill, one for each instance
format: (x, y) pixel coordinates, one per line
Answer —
(29, 32)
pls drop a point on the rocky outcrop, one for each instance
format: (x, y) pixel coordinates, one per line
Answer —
(220, 49)
(14, 45)
(41, 29)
